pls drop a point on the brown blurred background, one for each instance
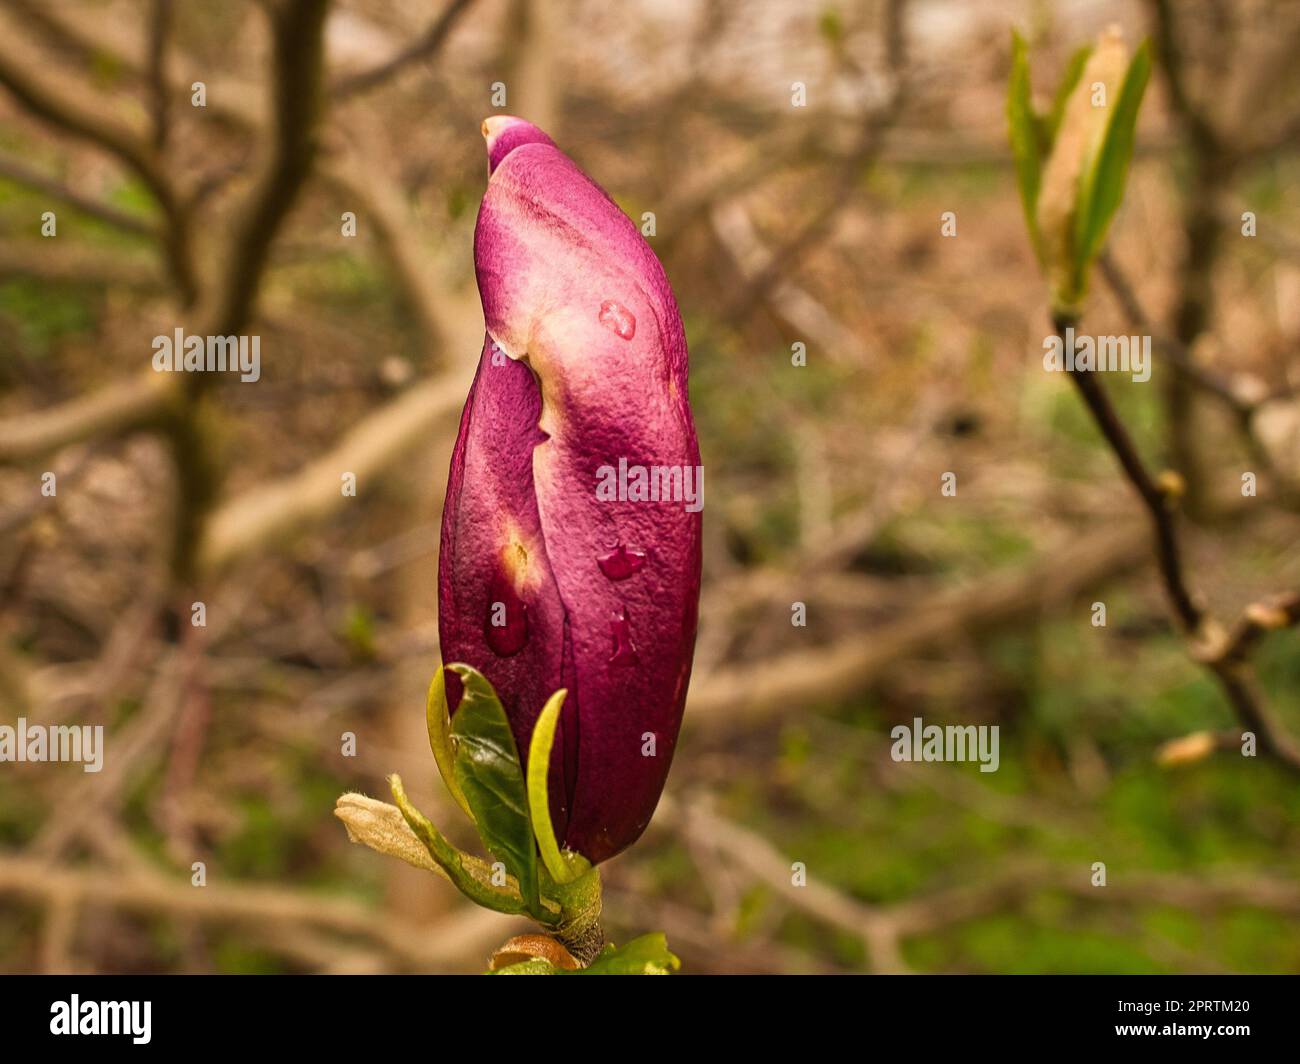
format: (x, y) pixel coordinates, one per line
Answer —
(778, 225)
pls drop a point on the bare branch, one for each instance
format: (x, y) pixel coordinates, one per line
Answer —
(60, 262)
(1158, 496)
(116, 409)
(1170, 53)
(742, 694)
(104, 131)
(1271, 615)
(870, 142)
(31, 178)
(426, 47)
(272, 511)
(1230, 670)
(160, 24)
(1180, 358)
(453, 940)
(295, 106)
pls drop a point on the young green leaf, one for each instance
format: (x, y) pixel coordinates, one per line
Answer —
(1023, 127)
(438, 721)
(489, 774)
(466, 873)
(564, 868)
(647, 955)
(1102, 189)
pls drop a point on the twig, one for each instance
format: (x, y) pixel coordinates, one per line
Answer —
(20, 172)
(297, 47)
(1242, 408)
(740, 695)
(160, 24)
(132, 746)
(1282, 611)
(426, 47)
(61, 262)
(760, 859)
(270, 511)
(115, 409)
(297, 29)
(398, 236)
(884, 927)
(1170, 54)
(462, 935)
(875, 126)
(1158, 497)
(104, 131)
(1232, 673)
(193, 718)
(1180, 358)
(1213, 161)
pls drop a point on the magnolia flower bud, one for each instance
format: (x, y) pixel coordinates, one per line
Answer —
(545, 580)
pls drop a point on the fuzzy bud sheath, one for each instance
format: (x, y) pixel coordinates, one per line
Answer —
(1078, 140)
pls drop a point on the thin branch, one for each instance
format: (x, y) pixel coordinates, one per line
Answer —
(870, 142)
(1170, 54)
(297, 55)
(1242, 408)
(451, 941)
(883, 927)
(161, 17)
(425, 47)
(116, 409)
(398, 234)
(62, 262)
(1232, 672)
(1179, 357)
(21, 173)
(1158, 496)
(297, 47)
(756, 856)
(135, 745)
(104, 131)
(272, 511)
(742, 695)
(1271, 615)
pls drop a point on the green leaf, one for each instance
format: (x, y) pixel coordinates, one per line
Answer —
(467, 874)
(1102, 189)
(438, 720)
(564, 867)
(647, 955)
(488, 772)
(1073, 72)
(1026, 149)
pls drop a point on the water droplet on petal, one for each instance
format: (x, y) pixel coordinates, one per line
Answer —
(620, 563)
(506, 625)
(618, 319)
(621, 629)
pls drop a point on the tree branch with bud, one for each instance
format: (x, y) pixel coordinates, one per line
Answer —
(1071, 167)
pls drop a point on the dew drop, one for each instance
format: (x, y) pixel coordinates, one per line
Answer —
(506, 626)
(618, 319)
(620, 563)
(621, 629)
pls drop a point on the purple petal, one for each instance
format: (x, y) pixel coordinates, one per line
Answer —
(611, 586)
